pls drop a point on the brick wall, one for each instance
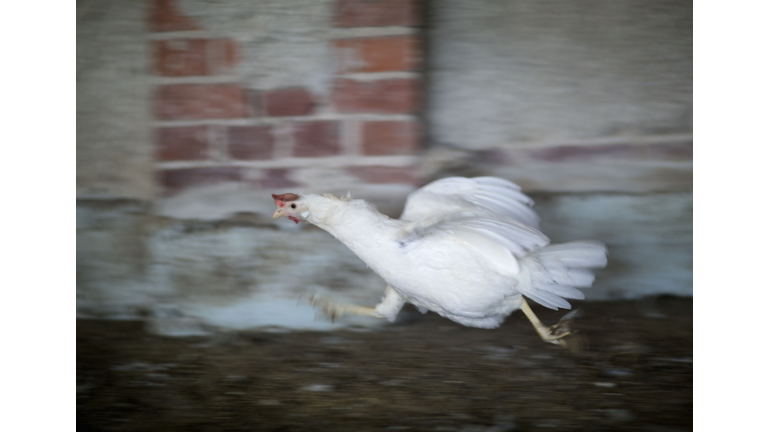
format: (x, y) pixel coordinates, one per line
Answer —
(212, 126)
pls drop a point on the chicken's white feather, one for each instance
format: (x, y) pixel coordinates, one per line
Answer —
(467, 249)
(564, 291)
(456, 194)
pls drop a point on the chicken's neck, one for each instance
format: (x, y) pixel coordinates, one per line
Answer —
(355, 223)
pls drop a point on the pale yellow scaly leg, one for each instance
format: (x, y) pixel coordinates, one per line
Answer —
(337, 310)
(556, 334)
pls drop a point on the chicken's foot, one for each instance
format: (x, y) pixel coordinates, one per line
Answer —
(557, 333)
(335, 311)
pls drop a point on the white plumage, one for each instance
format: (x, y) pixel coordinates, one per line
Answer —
(466, 249)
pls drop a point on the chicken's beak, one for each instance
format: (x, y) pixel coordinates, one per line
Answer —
(278, 213)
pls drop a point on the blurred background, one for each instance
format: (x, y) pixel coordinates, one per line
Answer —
(190, 113)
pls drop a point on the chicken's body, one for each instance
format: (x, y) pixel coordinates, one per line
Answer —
(466, 249)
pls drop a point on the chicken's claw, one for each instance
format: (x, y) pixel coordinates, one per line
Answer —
(321, 304)
(335, 311)
(563, 328)
(561, 333)
(558, 334)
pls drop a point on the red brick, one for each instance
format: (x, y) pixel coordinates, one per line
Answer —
(382, 54)
(250, 142)
(388, 96)
(316, 138)
(179, 57)
(586, 152)
(182, 143)
(175, 180)
(193, 57)
(376, 13)
(494, 156)
(621, 151)
(384, 174)
(294, 101)
(199, 101)
(671, 151)
(165, 16)
(253, 103)
(390, 137)
(221, 57)
(277, 178)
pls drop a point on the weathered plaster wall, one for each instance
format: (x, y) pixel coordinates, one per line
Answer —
(194, 276)
(506, 73)
(190, 276)
(114, 145)
(281, 44)
(563, 97)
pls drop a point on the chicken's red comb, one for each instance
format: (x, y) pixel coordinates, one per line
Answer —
(285, 197)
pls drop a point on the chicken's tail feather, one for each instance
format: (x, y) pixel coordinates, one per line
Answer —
(554, 272)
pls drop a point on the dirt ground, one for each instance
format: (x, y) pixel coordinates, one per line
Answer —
(421, 373)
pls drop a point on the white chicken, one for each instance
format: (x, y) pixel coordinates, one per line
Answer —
(467, 249)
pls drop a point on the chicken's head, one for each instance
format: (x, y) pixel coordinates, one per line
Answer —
(290, 206)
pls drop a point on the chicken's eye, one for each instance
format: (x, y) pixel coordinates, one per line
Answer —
(293, 205)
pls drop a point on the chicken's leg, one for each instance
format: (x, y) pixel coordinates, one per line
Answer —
(555, 334)
(388, 308)
(337, 310)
